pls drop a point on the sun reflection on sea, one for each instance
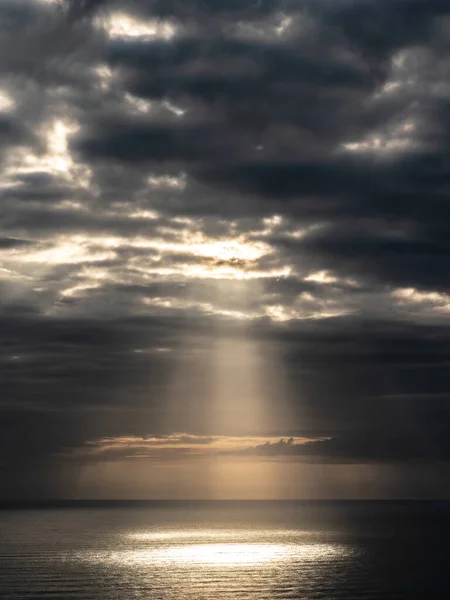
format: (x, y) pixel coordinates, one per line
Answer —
(209, 554)
(219, 548)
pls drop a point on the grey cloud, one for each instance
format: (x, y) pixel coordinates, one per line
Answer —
(266, 119)
(13, 132)
(140, 141)
(7, 243)
(377, 446)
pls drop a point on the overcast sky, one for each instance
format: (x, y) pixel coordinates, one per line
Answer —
(224, 248)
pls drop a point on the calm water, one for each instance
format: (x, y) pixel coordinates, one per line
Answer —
(220, 550)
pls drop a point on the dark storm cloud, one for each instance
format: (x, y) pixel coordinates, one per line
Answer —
(282, 163)
(395, 261)
(140, 141)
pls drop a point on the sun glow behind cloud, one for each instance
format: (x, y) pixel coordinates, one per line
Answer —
(235, 268)
(196, 244)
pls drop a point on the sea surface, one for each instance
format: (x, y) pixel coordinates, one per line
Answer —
(206, 550)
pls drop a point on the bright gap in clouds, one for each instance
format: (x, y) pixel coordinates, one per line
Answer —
(124, 26)
(227, 386)
(6, 102)
(231, 385)
(57, 160)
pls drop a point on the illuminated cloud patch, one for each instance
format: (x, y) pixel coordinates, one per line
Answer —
(183, 445)
(124, 26)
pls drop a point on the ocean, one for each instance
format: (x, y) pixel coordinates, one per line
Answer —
(226, 550)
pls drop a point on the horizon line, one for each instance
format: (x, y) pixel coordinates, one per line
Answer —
(67, 502)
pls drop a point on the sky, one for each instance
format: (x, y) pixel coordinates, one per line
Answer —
(224, 249)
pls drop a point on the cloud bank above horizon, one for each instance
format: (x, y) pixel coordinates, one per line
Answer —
(183, 179)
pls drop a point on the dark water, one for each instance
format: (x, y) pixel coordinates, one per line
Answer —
(227, 550)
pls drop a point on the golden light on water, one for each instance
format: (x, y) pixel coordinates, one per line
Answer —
(231, 554)
(213, 534)
(222, 548)
(211, 554)
(219, 561)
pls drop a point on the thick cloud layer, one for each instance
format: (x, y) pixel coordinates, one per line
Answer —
(173, 173)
